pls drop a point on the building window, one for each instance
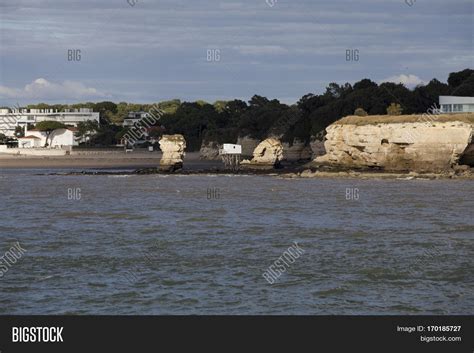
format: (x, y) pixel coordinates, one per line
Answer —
(457, 107)
(446, 108)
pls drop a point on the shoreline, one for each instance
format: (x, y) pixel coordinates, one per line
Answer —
(284, 173)
(142, 163)
(136, 160)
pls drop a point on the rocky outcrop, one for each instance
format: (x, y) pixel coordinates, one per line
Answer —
(209, 151)
(317, 147)
(172, 147)
(268, 154)
(400, 143)
(248, 145)
(467, 157)
(297, 151)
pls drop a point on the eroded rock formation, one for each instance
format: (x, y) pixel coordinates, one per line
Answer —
(268, 154)
(173, 147)
(401, 143)
(317, 147)
(209, 151)
(298, 151)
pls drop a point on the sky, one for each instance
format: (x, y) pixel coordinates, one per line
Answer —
(148, 51)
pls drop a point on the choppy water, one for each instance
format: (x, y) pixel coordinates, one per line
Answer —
(164, 245)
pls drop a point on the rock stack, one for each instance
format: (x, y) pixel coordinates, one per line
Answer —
(268, 154)
(172, 147)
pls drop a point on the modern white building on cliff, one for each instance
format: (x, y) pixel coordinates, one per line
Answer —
(454, 104)
(11, 118)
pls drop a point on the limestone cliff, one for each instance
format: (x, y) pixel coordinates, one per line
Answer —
(267, 154)
(410, 142)
(317, 147)
(172, 147)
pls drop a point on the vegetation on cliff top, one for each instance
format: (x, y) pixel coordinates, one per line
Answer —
(400, 119)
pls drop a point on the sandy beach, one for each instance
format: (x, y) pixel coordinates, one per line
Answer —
(102, 161)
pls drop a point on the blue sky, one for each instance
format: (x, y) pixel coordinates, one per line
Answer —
(157, 50)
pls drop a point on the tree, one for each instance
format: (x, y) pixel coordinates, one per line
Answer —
(106, 109)
(466, 88)
(19, 132)
(119, 135)
(86, 129)
(394, 109)
(3, 139)
(457, 78)
(334, 90)
(363, 84)
(360, 112)
(201, 102)
(170, 107)
(155, 132)
(48, 127)
(103, 106)
(220, 106)
(427, 96)
(106, 135)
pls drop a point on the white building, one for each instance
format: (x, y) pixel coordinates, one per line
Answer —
(454, 104)
(11, 118)
(57, 139)
(229, 148)
(134, 117)
(29, 141)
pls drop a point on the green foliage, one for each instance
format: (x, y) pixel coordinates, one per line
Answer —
(49, 126)
(38, 106)
(455, 79)
(364, 84)
(335, 91)
(339, 101)
(85, 130)
(201, 102)
(155, 131)
(360, 112)
(122, 110)
(105, 136)
(426, 96)
(107, 110)
(466, 88)
(19, 131)
(105, 106)
(121, 133)
(222, 135)
(220, 106)
(170, 107)
(394, 109)
(191, 120)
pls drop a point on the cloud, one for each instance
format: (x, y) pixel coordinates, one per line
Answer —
(305, 40)
(406, 80)
(43, 89)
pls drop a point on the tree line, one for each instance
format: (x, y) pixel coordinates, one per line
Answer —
(225, 121)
